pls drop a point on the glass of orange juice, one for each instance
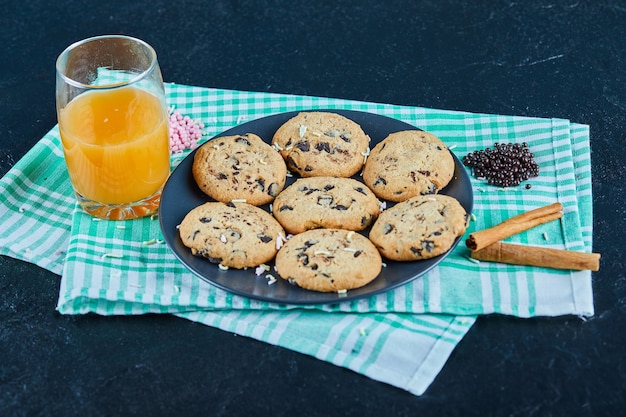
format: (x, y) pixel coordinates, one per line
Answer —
(113, 121)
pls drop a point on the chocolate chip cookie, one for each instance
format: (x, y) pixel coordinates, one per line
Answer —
(328, 260)
(325, 202)
(408, 163)
(240, 167)
(322, 144)
(421, 227)
(236, 235)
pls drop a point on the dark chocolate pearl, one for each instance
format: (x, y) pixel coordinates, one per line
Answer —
(504, 165)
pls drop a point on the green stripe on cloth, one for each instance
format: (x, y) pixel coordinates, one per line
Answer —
(402, 337)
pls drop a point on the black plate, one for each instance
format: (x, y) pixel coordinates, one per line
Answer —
(181, 194)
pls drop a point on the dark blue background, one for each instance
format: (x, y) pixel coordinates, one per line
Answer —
(562, 59)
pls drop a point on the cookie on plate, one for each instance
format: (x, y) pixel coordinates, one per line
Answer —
(421, 227)
(328, 260)
(322, 144)
(408, 163)
(240, 167)
(325, 202)
(236, 235)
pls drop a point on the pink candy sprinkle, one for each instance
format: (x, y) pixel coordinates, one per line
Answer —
(184, 132)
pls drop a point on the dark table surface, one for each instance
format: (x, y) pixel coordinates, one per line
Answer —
(563, 59)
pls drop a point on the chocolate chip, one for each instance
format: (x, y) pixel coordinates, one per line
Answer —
(329, 187)
(304, 258)
(221, 176)
(306, 190)
(273, 189)
(428, 245)
(243, 139)
(264, 238)
(303, 146)
(285, 207)
(387, 228)
(233, 234)
(380, 180)
(345, 137)
(310, 243)
(261, 183)
(205, 219)
(323, 146)
(214, 260)
(340, 207)
(358, 253)
(360, 190)
(325, 200)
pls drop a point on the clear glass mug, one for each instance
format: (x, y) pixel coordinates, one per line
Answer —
(114, 126)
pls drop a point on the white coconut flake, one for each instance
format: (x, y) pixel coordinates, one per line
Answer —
(365, 154)
(349, 249)
(322, 252)
(302, 130)
(238, 200)
(280, 239)
(112, 255)
(222, 267)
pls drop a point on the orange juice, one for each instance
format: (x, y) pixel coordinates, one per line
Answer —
(116, 144)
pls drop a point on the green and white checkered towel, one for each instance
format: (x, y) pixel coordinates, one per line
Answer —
(402, 337)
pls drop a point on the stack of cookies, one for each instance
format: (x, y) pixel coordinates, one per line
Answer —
(315, 229)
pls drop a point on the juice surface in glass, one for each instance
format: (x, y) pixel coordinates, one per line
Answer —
(116, 144)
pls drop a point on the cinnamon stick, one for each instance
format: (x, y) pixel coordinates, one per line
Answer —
(536, 256)
(514, 225)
